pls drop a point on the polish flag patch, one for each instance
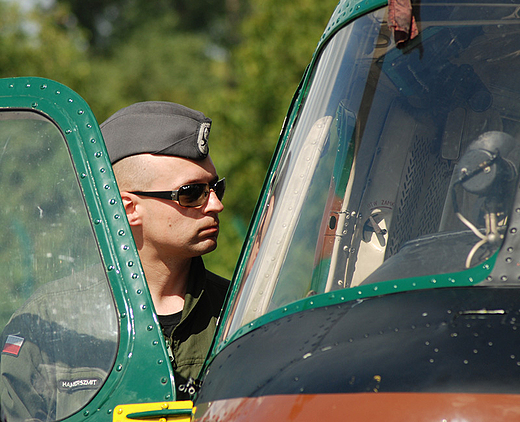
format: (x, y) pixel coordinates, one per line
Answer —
(12, 345)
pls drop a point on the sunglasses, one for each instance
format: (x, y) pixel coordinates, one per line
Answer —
(193, 195)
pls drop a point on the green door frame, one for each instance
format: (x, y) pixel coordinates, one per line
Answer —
(142, 372)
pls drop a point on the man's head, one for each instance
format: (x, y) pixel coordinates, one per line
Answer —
(160, 147)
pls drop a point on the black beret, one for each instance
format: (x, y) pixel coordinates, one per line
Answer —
(156, 127)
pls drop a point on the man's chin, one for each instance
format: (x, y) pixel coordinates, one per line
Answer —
(209, 246)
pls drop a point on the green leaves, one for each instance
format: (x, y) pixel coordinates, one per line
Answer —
(237, 61)
(42, 43)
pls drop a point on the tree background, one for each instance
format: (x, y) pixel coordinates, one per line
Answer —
(238, 61)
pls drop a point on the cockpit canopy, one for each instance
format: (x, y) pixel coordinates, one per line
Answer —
(401, 162)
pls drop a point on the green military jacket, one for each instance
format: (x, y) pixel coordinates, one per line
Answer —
(191, 339)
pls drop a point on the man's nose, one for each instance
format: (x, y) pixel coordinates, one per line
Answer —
(214, 204)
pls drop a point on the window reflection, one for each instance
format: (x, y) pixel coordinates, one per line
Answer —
(61, 329)
(402, 162)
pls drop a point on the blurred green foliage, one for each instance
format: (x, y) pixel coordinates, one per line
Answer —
(237, 61)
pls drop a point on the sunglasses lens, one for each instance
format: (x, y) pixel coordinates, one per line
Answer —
(196, 194)
(220, 188)
(193, 195)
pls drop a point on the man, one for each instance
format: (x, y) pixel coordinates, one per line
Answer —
(172, 197)
(53, 361)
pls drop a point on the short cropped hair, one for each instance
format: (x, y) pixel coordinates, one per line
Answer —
(134, 173)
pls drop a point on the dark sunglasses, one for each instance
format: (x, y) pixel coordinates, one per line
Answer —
(193, 195)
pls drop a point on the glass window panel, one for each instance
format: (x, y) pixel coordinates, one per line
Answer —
(401, 163)
(61, 327)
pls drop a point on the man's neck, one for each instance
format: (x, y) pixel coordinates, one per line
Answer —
(167, 283)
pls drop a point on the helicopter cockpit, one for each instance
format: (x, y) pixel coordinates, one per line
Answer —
(402, 160)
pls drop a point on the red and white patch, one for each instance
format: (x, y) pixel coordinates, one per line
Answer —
(13, 345)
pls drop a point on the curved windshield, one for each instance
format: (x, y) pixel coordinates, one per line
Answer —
(59, 320)
(401, 163)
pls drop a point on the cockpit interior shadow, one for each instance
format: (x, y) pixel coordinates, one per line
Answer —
(425, 255)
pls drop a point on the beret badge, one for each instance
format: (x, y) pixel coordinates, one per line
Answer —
(202, 140)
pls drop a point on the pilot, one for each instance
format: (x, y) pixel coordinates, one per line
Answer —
(172, 197)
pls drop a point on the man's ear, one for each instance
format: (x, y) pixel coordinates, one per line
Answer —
(132, 210)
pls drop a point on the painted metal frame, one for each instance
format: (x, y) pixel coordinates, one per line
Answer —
(142, 372)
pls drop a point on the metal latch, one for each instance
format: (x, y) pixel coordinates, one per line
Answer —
(178, 411)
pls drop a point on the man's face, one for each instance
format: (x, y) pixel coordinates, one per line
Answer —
(167, 228)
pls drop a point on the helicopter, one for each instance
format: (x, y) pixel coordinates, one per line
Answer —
(380, 274)
(380, 270)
